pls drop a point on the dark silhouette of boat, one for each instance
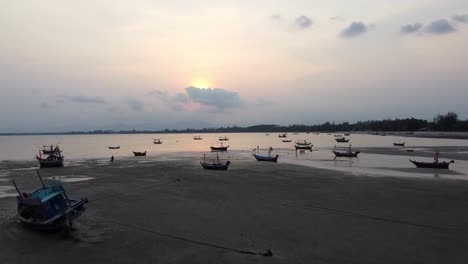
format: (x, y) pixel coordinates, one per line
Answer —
(432, 165)
(47, 150)
(283, 135)
(304, 147)
(215, 165)
(53, 160)
(220, 148)
(118, 147)
(399, 144)
(342, 140)
(349, 153)
(266, 158)
(287, 140)
(138, 154)
(48, 207)
(197, 138)
(223, 139)
(347, 134)
(157, 141)
(303, 143)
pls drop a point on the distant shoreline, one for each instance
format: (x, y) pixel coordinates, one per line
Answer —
(420, 134)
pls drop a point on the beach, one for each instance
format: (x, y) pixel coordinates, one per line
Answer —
(145, 210)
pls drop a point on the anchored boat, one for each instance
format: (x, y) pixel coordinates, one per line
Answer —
(55, 159)
(137, 154)
(215, 165)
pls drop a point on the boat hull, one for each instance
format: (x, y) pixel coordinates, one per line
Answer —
(219, 148)
(431, 165)
(139, 154)
(59, 221)
(346, 154)
(211, 166)
(264, 158)
(304, 147)
(399, 144)
(50, 164)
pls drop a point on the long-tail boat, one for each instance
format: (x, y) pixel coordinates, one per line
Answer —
(137, 154)
(436, 164)
(349, 153)
(53, 160)
(215, 165)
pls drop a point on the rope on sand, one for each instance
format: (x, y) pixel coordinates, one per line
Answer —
(267, 252)
(375, 218)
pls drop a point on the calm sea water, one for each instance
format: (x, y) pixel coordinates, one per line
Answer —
(78, 147)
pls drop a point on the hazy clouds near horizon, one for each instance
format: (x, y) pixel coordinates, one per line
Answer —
(81, 65)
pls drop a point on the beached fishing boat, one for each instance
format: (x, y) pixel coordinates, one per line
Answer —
(197, 138)
(283, 135)
(304, 147)
(303, 143)
(436, 164)
(223, 139)
(220, 148)
(118, 147)
(47, 150)
(157, 141)
(399, 144)
(432, 165)
(215, 165)
(138, 154)
(349, 153)
(342, 140)
(53, 160)
(265, 158)
(287, 140)
(48, 207)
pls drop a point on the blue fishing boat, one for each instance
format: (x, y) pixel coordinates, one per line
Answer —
(48, 207)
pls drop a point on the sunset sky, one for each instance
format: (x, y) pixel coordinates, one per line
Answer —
(111, 64)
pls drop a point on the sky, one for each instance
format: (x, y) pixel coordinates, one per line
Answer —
(112, 64)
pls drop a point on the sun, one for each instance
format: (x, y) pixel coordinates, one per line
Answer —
(201, 83)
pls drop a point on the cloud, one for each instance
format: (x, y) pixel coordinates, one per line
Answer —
(180, 98)
(44, 105)
(354, 29)
(303, 22)
(135, 104)
(440, 27)
(410, 28)
(83, 99)
(460, 18)
(161, 94)
(213, 97)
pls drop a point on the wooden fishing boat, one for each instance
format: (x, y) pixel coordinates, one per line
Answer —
(197, 138)
(342, 140)
(283, 135)
(118, 147)
(47, 150)
(48, 207)
(265, 158)
(215, 165)
(432, 165)
(220, 148)
(349, 153)
(304, 147)
(287, 140)
(138, 154)
(223, 139)
(54, 160)
(303, 143)
(399, 144)
(157, 141)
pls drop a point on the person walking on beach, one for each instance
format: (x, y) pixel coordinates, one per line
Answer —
(112, 159)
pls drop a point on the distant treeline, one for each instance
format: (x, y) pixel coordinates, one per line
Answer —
(441, 122)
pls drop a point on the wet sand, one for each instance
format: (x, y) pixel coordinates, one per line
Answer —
(173, 211)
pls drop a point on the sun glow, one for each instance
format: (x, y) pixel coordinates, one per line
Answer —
(200, 83)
